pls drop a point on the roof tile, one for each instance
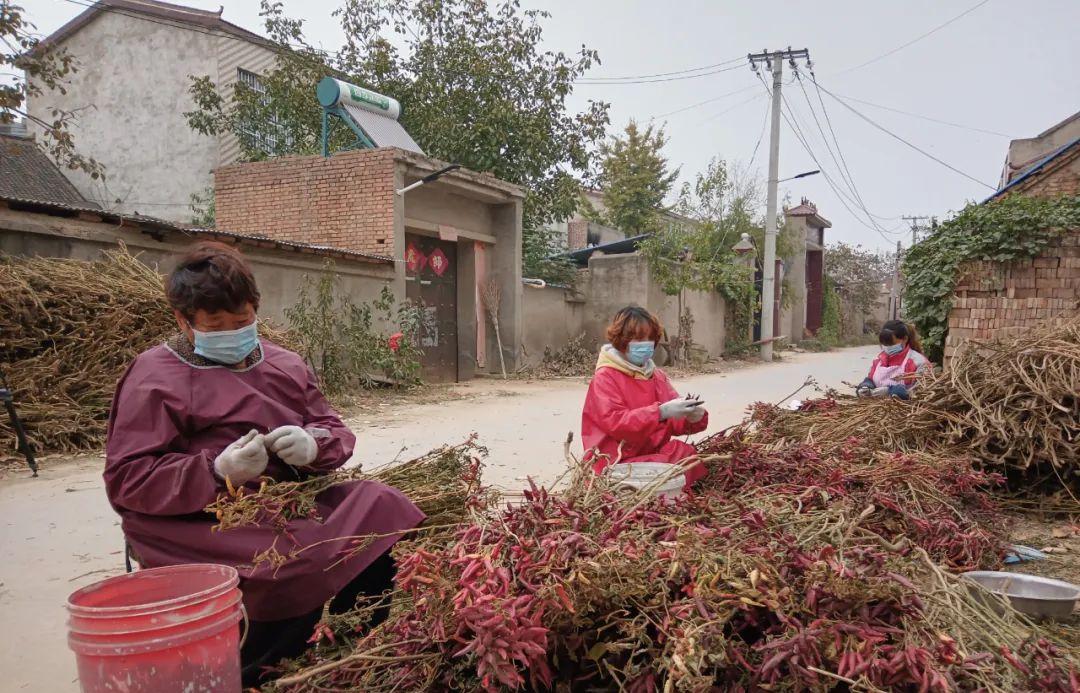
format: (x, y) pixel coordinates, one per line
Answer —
(26, 171)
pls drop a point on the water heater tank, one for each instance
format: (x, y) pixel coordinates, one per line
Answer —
(333, 92)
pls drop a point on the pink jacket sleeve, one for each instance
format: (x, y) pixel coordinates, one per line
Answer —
(141, 473)
(679, 427)
(333, 437)
(607, 406)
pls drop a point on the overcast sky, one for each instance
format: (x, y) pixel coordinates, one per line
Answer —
(1005, 66)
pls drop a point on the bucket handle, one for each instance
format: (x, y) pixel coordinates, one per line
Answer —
(247, 624)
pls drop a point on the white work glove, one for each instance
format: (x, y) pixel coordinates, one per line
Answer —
(295, 446)
(242, 460)
(696, 414)
(678, 408)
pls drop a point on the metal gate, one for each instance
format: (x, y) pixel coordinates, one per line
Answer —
(431, 282)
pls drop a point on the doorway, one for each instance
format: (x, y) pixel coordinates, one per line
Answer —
(431, 267)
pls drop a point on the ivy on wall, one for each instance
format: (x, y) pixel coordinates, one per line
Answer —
(831, 330)
(1009, 228)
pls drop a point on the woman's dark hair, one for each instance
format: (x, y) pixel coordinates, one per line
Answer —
(633, 322)
(211, 276)
(895, 330)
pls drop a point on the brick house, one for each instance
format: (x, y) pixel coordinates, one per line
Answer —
(1002, 299)
(447, 238)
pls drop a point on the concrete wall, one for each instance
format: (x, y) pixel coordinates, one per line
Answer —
(440, 206)
(1025, 152)
(278, 273)
(552, 317)
(793, 317)
(617, 281)
(132, 84)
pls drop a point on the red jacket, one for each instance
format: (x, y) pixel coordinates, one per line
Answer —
(625, 408)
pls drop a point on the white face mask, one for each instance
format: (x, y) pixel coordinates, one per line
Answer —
(227, 346)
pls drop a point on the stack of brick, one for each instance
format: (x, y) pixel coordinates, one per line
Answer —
(345, 201)
(995, 299)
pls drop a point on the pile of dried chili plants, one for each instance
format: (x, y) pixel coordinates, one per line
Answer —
(443, 483)
(68, 329)
(787, 569)
(1014, 404)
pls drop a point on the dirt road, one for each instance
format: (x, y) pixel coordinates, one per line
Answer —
(58, 533)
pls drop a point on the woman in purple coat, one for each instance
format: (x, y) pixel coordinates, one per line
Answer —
(216, 402)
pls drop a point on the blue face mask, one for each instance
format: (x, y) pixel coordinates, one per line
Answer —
(894, 349)
(227, 346)
(639, 353)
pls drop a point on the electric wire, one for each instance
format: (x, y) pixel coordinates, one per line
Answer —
(785, 109)
(663, 74)
(753, 98)
(837, 154)
(928, 118)
(585, 82)
(892, 134)
(764, 127)
(702, 103)
(845, 197)
(914, 40)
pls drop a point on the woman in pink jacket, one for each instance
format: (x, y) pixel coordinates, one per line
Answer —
(632, 413)
(895, 369)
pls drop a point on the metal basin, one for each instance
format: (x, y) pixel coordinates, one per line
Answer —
(1029, 594)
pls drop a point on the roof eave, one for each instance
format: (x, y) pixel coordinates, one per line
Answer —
(153, 225)
(1034, 169)
(211, 21)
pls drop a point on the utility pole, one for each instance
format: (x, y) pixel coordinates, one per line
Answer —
(775, 62)
(915, 227)
(894, 291)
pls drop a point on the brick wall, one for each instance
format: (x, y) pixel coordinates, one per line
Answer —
(1060, 178)
(345, 201)
(1004, 299)
(577, 234)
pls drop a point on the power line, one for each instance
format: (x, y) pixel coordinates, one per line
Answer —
(665, 74)
(764, 126)
(843, 175)
(901, 139)
(916, 39)
(922, 117)
(797, 131)
(842, 166)
(755, 97)
(706, 101)
(843, 196)
(586, 82)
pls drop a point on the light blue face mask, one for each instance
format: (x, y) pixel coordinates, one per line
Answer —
(227, 346)
(894, 349)
(639, 353)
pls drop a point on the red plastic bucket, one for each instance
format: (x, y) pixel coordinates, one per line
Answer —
(162, 629)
